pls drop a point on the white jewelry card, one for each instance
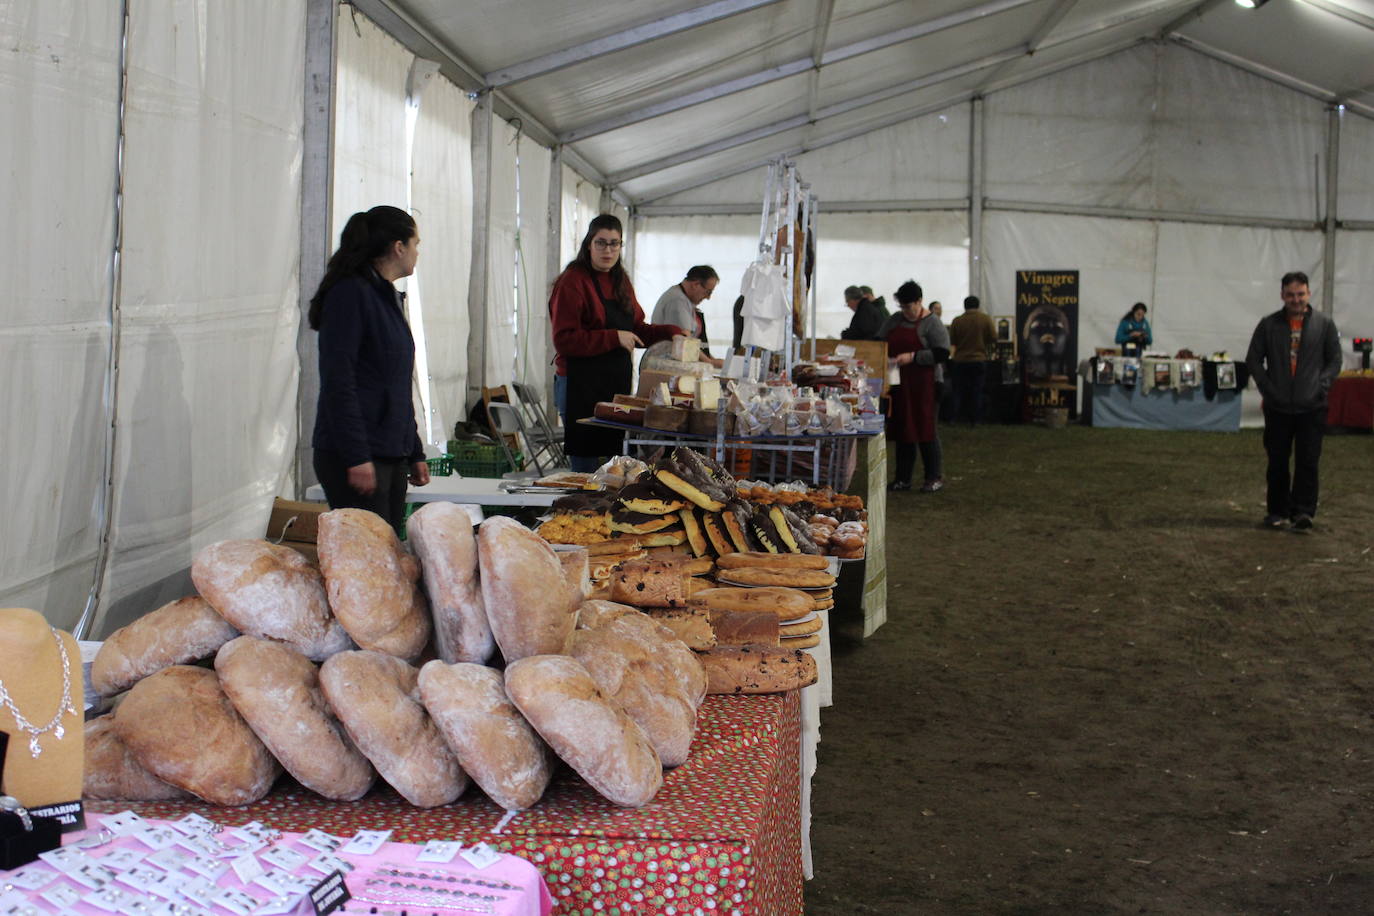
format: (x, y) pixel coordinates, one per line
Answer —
(319, 840)
(328, 862)
(195, 824)
(284, 858)
(123, 822)
(366, 842)
(122, 859)
(247, 867)
(481, 855)
(31, 879)
(63, 896)
(439, 851)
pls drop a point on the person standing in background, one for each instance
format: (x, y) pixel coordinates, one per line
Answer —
(869, 315)
(1294, 358)
(1133, 332)
(680, 305)
(366, 445)
(916, 344)
(973, 337)
(597, 323)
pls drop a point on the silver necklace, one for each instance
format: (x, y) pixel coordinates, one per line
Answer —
(66, 707)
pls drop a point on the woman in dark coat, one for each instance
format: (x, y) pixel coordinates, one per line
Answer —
(916, 342)
(366, 443)
(597, 323)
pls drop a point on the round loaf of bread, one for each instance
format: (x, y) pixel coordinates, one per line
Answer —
(803, 627)
(628, 674)
(771, 560)
(593, 735)
(371, 582)
(659, 642)
(277, 691)
(802, 642)
(182, 728)
(787, 578)
(530, 610)
(186, 630)
(270, 591)
(493, 743)
(376, 696)
(113, 773)
(442, 536)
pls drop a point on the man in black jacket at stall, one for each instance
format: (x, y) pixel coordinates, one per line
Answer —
(869, 315)
(1294, 357)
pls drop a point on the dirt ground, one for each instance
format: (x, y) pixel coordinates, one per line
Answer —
(1102, 688)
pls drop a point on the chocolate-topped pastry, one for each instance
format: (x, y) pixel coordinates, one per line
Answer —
(651, 498)
(696, 538)
(582, 503)
(786, 542)
(761, 527)
(714, 527)
(736, 521)
(805, 543)
(716, 471)
(670, 537)
(640, 522)
(685, 477)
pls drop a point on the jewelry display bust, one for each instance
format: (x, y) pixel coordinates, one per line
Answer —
(40, 697)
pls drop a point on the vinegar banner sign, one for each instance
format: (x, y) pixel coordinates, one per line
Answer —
(1047, 324)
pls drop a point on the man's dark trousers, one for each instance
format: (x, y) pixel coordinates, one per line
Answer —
(968, 378)
(1298, 434)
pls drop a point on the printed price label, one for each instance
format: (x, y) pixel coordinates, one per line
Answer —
(330, 894)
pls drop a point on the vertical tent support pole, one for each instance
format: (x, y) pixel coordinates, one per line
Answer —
(317, 140)
(1333, 165)
(553, 258)
(975, 199)
(480, 277)
(812, 206)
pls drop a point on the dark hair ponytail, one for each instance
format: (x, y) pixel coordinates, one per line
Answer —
(365, 238)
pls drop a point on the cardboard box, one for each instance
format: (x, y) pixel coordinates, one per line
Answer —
(295, 521)
(872, 352)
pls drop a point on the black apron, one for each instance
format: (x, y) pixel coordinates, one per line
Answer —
(598, 378)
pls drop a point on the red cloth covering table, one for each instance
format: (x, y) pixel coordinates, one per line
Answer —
(723, 835)
(1351, 402)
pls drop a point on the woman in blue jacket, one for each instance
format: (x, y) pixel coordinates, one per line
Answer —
(1133, 333)
(366, 442)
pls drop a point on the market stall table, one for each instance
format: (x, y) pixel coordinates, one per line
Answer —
(1351, 402)
(722, 835)
(1115, 405)
(473, 491)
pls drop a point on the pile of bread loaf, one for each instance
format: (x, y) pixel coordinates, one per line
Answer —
(317, 671)
(687, 500)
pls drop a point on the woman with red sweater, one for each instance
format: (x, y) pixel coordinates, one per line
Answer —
(597, 323)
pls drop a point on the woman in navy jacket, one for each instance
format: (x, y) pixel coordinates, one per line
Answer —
(366, 443)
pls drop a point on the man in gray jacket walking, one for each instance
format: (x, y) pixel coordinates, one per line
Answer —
(1294, 357)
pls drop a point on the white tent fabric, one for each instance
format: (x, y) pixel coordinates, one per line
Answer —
(573, 225)
(534, 348)
(370, 119)
(1357, 178)
(441, 195)
(206, 406)
(59, 97)
(500, 305)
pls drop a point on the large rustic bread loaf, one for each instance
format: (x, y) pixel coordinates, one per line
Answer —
(629, 675)
(371, 582)
(523, 589)
(113, 773)
(757, 669)
(660, 642)
(182, 728)
(376, 696)
(494, 744)
(590, 733)
(277, 691)
(594, 612)
(186, 630)
(443, 538)
(577, 572)
(784, 603)
(271, 591)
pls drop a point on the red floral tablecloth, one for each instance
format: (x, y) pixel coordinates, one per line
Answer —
(723, 835)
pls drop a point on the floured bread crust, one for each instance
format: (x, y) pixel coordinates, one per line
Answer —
(444, 541)
(372, 583)
(186, 630)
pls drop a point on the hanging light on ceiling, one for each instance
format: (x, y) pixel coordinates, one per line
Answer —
(1251, 4)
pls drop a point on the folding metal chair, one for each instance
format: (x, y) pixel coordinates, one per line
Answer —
(505, 421)
(545, 439)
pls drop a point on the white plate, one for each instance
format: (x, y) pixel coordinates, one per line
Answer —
(800, 588)
(807, 619)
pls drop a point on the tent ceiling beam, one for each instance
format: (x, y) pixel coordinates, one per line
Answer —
(889, 121)
(1037, 38)
(620, 41)
(824, 13)
(1286, 80)
(844, 206)
(403, 27)
(1197, 12)
(1345, 12)
(801, 65)
(1167, 216)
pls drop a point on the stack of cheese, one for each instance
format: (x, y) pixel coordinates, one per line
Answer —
(315, 671)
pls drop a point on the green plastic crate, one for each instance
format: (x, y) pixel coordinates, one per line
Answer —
(441, 466)
(475, 459)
